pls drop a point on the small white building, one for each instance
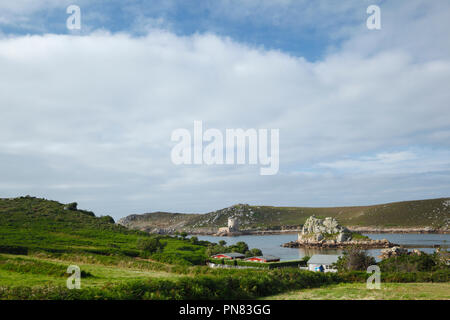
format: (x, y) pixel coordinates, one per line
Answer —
(322, 261)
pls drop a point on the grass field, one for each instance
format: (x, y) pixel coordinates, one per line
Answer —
(358, 291)
(98, 275)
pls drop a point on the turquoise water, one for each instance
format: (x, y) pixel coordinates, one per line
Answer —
(271, 244)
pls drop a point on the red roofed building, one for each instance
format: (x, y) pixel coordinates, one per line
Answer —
(231, 256)
(264, 259)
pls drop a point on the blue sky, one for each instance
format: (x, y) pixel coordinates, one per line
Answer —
(301, 28)
(87, 115)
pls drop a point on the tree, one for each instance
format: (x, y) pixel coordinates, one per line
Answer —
(107, 219)
(183, 234)
(240, 247)
(253, 253)
(355, 259)
(194, 240)
(222, 243)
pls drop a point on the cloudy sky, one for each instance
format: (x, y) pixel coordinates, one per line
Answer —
(87, 115)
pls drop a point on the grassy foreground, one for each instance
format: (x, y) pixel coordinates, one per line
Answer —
(39, 239)
(358, 291)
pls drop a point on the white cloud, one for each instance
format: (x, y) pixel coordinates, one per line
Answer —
(89, 119)
(404, 162)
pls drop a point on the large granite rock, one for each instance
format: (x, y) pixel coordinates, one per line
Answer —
(318, 227)
(327, 233)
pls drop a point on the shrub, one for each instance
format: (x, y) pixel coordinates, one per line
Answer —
(150, 245)
(355, 259)
(194, 240)
(240, 247)
(71, 206)
(409, 263)
(253, 253)
(108, 219)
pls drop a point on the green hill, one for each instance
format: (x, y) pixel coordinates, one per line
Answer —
(433, 213)
(30, 225)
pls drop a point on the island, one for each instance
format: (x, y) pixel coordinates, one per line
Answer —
(328, 233)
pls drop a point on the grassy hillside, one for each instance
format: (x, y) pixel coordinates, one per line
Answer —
(31, 224)
(433, 213)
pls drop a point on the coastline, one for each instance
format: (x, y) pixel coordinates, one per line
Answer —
(425, 230)
(333, 244)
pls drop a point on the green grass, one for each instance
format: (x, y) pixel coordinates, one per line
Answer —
(359, 291)
(18, 271)
(42, 225)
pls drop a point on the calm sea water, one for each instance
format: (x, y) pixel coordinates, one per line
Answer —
(271, 244)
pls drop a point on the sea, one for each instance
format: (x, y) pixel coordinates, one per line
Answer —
(271, 244)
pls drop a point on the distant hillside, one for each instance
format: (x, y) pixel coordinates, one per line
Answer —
(433, 213)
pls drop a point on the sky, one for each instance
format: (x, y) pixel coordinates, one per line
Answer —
(87, 115)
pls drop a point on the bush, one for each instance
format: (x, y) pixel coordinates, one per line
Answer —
(355, 259)
(409, 263)
(194, 240)
(150, 245)
(240, 247)
(107, 219)
(253, 253)
(71, 206)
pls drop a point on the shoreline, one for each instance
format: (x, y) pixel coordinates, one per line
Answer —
(425, 230)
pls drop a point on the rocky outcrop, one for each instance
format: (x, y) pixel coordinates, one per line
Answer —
(327, 233)
(317, 225)
(315, 228)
